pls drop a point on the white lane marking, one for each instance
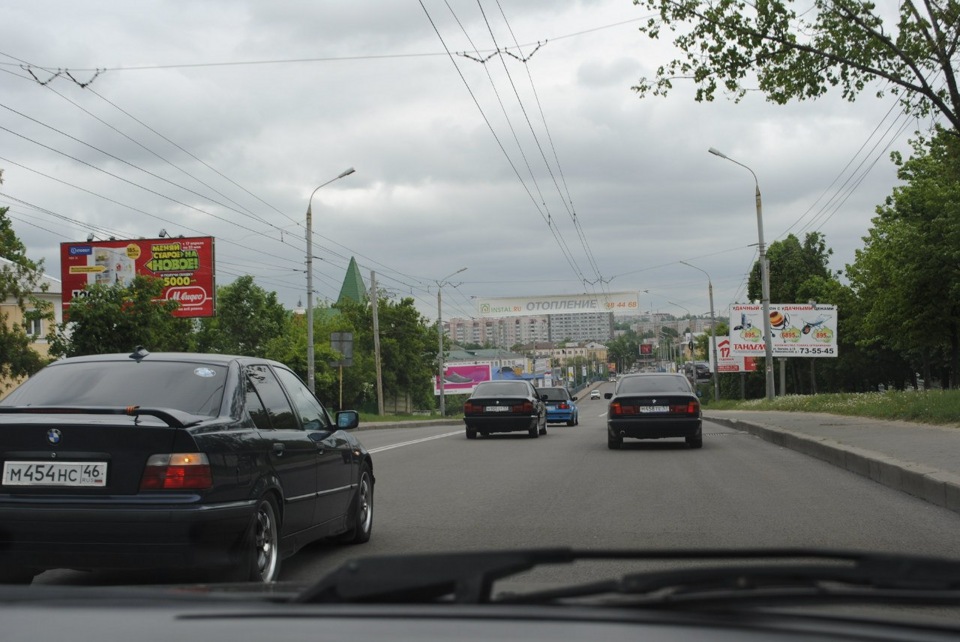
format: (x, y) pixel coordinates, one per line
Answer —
(415, 441)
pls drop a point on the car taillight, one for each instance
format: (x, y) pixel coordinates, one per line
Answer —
(617, 409)
(472, 408)
(563, 405)
(691, 408)
(524, 408)
(177, 471)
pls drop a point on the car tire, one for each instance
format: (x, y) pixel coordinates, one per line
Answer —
(471, 433)
(572, 422)
(695, 442)
(260, 553)
(543, 430)
(534, 432)
(614, 443)
(362, 506)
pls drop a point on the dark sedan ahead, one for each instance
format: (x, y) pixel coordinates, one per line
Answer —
(505, 406)
(174, 461)
(653, 406)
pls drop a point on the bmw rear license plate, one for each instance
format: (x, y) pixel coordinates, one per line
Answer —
(654, 408)
(496, 408)
(60, 473)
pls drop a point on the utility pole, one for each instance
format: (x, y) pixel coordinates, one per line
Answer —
(374, 302)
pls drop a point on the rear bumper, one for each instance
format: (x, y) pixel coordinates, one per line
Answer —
(559, 415)
(502, 424)
(655, 427)
(122, 537)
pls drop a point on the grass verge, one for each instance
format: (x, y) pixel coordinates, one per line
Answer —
(932, 406)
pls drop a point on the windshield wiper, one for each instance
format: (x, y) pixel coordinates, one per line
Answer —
(784, 573)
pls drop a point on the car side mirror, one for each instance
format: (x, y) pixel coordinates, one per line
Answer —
(573, 398)
(608, 395)
(348, 419)
(544, 397)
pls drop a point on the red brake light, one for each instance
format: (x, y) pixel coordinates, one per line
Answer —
(618, 409)
(526, 407)
(472, 408)
(177, 471)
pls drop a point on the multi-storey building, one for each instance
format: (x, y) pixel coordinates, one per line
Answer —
(597, 326)
(500, 333)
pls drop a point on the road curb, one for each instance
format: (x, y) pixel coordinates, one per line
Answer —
(919, 480)
(374, 425)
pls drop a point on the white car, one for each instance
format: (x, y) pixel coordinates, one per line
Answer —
(595, 394)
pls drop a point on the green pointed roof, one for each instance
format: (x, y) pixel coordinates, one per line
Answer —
(353, 287)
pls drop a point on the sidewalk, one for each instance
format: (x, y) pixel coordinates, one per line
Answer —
(919, 459)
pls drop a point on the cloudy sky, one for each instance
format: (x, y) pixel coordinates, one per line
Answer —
(550, 176)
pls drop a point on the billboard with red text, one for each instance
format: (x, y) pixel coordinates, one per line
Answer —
(185, 265)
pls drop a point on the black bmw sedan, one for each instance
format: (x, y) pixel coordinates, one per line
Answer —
(505, 406)
(174, 460)
(653, 405)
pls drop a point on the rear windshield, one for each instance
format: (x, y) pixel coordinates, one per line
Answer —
(498, 388)
(191, 387)
(555, 394)
(653, 383)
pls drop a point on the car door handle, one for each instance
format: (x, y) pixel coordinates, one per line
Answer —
(278, 449)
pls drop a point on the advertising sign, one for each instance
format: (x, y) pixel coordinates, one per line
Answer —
(616, 302)
(727, 361)
(462, 379)
(796, 330)
(184, 264)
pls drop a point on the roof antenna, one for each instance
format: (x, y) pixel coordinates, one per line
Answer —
(139, 353)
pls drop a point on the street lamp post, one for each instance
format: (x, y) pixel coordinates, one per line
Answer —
(764, 280)
(713, 333)
(310, 347)
(681, 342)
(440, 365)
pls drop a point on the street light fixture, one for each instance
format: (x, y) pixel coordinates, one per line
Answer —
(310, 347)
(440, 366)
(713, 333)
(764, 280)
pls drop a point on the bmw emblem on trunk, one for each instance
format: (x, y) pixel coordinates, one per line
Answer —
(53, 436)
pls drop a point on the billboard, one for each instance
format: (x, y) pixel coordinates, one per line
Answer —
(727, 361)
(462, 379)
(616, 302)
(796, 330)
(184, 264)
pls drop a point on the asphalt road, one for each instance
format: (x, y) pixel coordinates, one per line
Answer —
(437, 491)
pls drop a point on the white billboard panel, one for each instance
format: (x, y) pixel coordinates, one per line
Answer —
(616, 302)
(796, 330)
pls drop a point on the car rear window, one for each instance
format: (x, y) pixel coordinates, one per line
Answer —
(496, 388)
(555, 394)
(653, 383)
(196, 388)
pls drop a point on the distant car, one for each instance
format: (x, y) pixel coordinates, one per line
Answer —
(702, 370)
(560, 406)
(654, 406)
(174, 460)
(505, 406)
(595, 393)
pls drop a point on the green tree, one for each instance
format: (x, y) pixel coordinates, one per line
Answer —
(20, 281)
(791, 264)
(908, 273)
(788, 55)
(408, 352)
(118, 318)
(624, 350)
(248, 318)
